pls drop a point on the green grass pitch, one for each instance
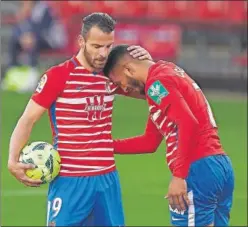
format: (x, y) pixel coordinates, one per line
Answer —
(144, 178)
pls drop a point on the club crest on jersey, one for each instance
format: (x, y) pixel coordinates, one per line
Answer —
(157, 92)
(95, 106)
(41, 84)
(108, 87)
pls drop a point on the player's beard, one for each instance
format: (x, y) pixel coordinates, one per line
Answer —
(91, 61)
(136, 85)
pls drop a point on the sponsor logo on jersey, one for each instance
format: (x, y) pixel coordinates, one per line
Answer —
(157, 92)
(95, 106)
(41, 84)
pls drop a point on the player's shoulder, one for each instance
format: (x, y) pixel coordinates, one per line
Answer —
(55, 76)
(161, 71)
(166, 72)
(60, 70)
(164, 68)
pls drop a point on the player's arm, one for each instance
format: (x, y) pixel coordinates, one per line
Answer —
(173, 104)
(46, 92)
(19, 139)
(146, 143)
(22, 131)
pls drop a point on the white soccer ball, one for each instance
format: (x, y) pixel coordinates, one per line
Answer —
(45, 158)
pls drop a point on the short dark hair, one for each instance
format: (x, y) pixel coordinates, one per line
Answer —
(102, 20)
(115, 55)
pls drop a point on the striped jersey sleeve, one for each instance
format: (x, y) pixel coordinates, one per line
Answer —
(50, 86)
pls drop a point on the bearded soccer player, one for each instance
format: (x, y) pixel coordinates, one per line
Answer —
(201, 189)
(79, 100)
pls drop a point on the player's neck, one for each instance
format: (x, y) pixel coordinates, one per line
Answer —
(82, 60)
(144, 70)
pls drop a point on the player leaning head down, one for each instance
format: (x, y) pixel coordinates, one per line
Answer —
(125, 71)
(96, 40)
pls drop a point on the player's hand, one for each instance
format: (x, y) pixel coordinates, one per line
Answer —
(18, 170)
(177, 194)
(139, 52)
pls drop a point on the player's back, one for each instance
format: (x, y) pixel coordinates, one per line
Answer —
(81, 119)
(208, 141)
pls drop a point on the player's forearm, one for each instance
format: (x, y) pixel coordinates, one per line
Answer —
(135, 145)
(143, 144)
(19, 138)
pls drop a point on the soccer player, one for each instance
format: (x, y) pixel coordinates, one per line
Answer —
(79, 100)
(201, 189)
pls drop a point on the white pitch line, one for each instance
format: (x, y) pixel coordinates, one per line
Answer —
(20, 193)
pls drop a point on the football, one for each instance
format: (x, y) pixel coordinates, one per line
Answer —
(45, 158)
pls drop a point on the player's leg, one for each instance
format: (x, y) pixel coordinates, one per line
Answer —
(70, 200)
(222, 212)
(108, 210)
(205, 183)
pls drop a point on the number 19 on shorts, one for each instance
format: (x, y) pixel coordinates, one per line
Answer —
(53, 208)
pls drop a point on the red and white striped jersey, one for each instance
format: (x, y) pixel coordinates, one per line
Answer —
(182, 114)
(80, 107)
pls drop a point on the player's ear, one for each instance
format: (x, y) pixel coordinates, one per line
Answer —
(81, 41)
(129, 70)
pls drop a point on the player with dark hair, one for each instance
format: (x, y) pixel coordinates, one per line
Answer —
(79, 99)
(201, 189)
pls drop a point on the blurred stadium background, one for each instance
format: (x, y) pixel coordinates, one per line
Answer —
(207, 38)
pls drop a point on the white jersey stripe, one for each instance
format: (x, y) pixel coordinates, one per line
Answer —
(161, 124)
(171, 161)
(89, 141)
(84, 134)
(109, 98)
(89, 158)
(80, 118)
(85, 83)
(86, 150)
(171, 152)
(85, 91)
(89, 75)
(82, 166)
(84, 126)
(79, 111)
(170, 144)
(156, 115)
(171, 134)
